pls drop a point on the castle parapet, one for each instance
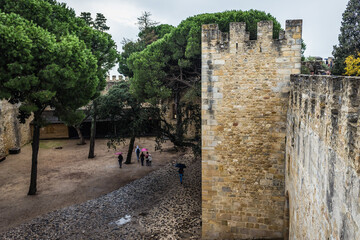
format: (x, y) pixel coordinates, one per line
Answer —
(239, 39)
(114, 78)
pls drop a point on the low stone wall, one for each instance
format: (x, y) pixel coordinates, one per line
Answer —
(322, 157)
(12, 132)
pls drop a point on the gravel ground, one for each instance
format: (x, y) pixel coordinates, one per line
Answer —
(154, 207)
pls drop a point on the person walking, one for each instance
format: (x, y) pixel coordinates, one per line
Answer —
(150, 159)
(137, 151)
(147, 158)
(181, 174)
(142, 157)
(120, 159)
(181, 167)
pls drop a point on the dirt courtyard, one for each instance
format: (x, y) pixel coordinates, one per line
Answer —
(66, 176)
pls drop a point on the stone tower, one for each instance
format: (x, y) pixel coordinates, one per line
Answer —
(245, 85)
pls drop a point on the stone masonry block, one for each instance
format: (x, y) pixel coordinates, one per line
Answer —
(219, 62)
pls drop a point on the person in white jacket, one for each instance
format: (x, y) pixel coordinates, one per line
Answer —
(150, 159)
(137, 151)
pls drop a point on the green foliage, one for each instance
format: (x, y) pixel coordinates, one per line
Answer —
(148, 67)
(349, 38)
(86, 16)
(125, 112)
(71, 117)
(310, 59)
(128, 48)
(305, 69)
(170, 66)
(181, 49)
(100, 22)
(61, 21)
(120, 103)
(50, 57)
(161, 30)
(113, 103)
(303, 48)
(150, 31)
(144, 21)
(39, 71)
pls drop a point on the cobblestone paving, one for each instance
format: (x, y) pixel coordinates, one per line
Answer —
(154, 207)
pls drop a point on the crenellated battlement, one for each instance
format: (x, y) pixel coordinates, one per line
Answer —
(239, 38)
(114, 78)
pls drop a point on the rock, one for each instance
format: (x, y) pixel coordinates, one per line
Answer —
(14, 150)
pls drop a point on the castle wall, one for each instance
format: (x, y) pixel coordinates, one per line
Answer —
(245, 85)
(12, 132)
(322, 157)
(169, 118)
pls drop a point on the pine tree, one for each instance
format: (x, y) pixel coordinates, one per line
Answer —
(145, 22)
(100, 23)
(349, 38)
(87, 18)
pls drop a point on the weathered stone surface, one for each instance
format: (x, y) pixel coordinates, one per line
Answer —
(244, 95)
(13, 134)
(322, 157)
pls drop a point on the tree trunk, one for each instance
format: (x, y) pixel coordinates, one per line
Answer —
(93, 133)
(34, 160)
(179, 129)
(131, 148)
(81, 137)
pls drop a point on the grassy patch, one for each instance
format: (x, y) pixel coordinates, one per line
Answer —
(47, 144)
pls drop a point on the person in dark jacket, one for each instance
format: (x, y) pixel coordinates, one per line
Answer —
(181, 174)
(120, 159)
(142, 157)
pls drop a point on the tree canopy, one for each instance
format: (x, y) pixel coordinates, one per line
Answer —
(52, 58)
(39, 71)
(349, 37)
(61, 20)
(175, 59)
(149, 32)
(171, 66)
(126, 114)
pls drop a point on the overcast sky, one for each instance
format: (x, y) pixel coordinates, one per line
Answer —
(321, 18)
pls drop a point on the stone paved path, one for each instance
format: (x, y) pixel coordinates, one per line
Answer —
(154, 207)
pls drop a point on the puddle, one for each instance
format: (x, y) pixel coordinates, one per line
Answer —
(123, 220)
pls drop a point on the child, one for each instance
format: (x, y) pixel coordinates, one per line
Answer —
(150, 159)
